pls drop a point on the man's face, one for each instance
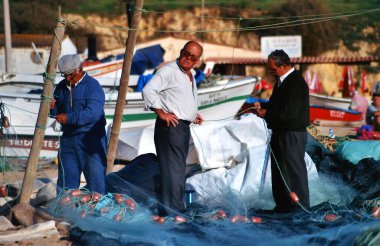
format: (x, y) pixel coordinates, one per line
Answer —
(276, 71)
(74, 76)
(189, 56)
(376, 101)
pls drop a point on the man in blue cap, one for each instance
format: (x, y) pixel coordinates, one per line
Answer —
(78, 106)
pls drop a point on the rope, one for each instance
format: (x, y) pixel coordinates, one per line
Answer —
(292, 23)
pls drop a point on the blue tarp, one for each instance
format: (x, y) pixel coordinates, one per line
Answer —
(143, 59)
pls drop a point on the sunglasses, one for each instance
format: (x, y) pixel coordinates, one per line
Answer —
(69, 74)
(190, 56)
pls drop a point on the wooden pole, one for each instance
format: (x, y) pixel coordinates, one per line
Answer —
(8, 37)
(39, 132)
(131, 40)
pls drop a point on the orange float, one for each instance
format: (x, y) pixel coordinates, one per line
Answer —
(118, 198)
(96, 197)
(85, 199)
(243, 219)
(5, 122)
(179, 219)
(222, 214)
(3, 191)
(294, 197)
(330, 217)
(130, 204)
(75, 193)
(235, 218)
(65, 200)
(160, 220)
(118, 217)
(375, 212)
(256, 220)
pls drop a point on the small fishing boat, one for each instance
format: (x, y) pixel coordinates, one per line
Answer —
(219, 101)
(329, 101)
(323, 112)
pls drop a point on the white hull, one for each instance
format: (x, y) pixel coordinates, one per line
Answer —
(322, 100)
(215, 103)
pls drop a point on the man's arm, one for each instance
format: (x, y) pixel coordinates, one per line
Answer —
(93, 109)
(170, 118)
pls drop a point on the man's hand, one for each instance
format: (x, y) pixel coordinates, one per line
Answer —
(259, 111)
(198, 120)
(52, 104)
(169, 118)
(61, 118)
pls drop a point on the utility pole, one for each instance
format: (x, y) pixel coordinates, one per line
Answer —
(118, 116)
(8, 37)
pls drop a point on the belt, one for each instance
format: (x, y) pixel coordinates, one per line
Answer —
(185, 122)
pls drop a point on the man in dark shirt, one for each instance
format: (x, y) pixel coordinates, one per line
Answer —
(287, 114)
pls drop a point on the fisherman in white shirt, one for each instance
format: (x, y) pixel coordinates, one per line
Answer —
(172, 95)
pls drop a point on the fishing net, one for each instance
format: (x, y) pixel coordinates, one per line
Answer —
(341, 213)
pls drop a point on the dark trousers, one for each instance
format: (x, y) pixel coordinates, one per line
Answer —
(172, 147)
(288, 150)
(85, 153)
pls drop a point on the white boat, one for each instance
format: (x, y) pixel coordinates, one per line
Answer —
(323, 100)
(218, 102)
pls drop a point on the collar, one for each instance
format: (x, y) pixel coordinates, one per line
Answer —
(180, 68)
(286, 75)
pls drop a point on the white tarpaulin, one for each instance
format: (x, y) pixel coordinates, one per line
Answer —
(231, 154)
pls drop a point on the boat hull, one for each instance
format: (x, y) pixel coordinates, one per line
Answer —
(318, 113)
(317, 99)
(214, 103)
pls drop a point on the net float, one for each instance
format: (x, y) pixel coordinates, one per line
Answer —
(75, 193)
(375, 212)
(215, 217)
(243, 219)
(294, 197)
(105, 210)
(118, 217)
(118, 198)
(179, 219)
(65, 200)
(330, 217)
(5, 122)
(256, 220)
(235, 218)
(131, 204)
(160, 220)
(96, 197)
(85, 199)
(222, 214)
(155, 217)
(3, 191)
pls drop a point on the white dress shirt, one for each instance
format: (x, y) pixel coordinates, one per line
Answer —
(171, 90)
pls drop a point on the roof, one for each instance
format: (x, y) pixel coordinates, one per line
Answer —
(302, 60)
(25, 40)
(173, 45)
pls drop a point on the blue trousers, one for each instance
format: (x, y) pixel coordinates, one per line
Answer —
(87, 153)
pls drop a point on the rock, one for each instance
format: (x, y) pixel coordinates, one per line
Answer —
(5, 224)
(24, 214)
(41, 230)
(45, 194)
